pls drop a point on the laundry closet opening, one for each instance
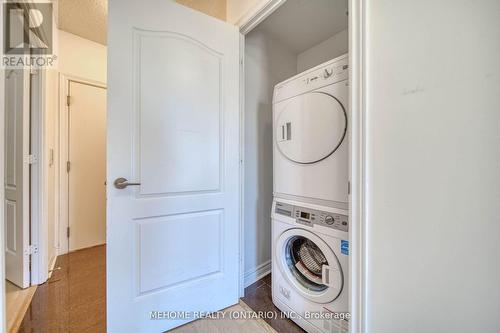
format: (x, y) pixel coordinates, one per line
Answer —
(296, 153)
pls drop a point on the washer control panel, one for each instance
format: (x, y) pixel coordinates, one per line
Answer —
(308, 216)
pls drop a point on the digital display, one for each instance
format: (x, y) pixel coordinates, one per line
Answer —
(305, 215)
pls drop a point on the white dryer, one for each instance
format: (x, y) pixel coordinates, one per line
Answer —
(310, 265)
(310, 118)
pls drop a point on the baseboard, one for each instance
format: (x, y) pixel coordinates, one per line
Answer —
(257, 273)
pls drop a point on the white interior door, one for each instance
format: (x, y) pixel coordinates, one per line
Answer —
(173, 127)
(87, 172)
(16, 182)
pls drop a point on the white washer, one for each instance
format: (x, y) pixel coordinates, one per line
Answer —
(310, 265)
(310, 118)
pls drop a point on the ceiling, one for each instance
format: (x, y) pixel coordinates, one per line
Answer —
(301, 24)
(297, 24)
(85, 18)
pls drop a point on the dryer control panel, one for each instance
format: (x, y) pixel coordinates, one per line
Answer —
(330, 72)
(308, 216)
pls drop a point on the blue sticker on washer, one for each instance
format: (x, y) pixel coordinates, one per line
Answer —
(344, 247)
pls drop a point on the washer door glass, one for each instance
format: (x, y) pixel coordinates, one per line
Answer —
(310, 265)
(305, 260)
(311, 127)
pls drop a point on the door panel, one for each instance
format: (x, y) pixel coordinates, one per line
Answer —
(87, 175)
(166, 271)
(191, 74)
(173, 127)
(16, 205)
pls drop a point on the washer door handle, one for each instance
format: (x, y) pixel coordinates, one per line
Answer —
(325, 275)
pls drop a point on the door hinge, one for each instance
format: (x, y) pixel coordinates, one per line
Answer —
(31, 159)
(32, 249)
(68, 166)
(68, 99)
(349, 188)
(67, 232)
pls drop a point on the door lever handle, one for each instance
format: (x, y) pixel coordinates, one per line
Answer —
(121, 183)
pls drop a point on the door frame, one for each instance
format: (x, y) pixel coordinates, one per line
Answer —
(38, 182)
(38, 231)
(357, 147)
(3, 326)
(358, 174)
(62, 197)
(257, 14)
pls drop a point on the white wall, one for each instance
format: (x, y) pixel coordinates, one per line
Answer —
(236, 9)
(266, 63)
(433, 164)
(331, 48)
(81, 57)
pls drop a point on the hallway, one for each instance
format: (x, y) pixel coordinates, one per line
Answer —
(74, 298)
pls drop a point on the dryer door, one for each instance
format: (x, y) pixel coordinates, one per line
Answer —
(310, 265)
(311, 127)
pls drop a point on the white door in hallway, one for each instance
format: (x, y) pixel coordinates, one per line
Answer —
(16, 182)
(87, 168)
(173, 133)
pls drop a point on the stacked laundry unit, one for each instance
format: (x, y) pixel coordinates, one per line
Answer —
(310, 225)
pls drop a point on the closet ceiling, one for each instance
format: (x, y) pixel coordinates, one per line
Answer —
(85, 18)
(301, 24)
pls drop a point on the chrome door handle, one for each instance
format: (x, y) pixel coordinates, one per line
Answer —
(121, 183)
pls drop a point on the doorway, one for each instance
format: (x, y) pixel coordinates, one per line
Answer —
(83, 185)
(77, 277)
(294, 55)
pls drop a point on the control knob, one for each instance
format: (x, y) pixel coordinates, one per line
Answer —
(329, 220)
(327, 73)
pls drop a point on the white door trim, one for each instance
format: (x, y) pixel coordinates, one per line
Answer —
(357, 206)
(62, 186)
(2, 194)
(241, 221)
(39, 217)
(257, 14)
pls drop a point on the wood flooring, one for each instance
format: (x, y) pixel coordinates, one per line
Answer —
(74, 300)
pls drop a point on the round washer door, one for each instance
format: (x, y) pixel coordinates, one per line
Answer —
(311, 127)
(309, 265)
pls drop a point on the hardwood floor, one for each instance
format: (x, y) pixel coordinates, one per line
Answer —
(74, 298)
(258, 296)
